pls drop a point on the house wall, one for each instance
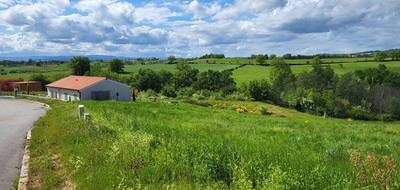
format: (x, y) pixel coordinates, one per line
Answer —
(63, 94)
(124, 92)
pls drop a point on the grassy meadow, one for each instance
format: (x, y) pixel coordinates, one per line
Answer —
(173, 145)
(257, 72)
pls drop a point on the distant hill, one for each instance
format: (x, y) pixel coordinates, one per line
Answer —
(59, 58)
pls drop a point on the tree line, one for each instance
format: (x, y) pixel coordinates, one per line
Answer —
(369, 94)
(364, 94)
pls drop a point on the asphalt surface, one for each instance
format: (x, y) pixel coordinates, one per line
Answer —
(16, 118)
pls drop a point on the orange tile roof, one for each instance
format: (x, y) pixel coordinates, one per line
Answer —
(75, 82)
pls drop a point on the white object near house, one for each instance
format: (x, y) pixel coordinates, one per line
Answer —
(88, 88)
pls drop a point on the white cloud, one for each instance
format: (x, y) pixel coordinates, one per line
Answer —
(194, 27)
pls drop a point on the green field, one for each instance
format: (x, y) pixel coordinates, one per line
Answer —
(256, 72)
(241, 75)
(172, 67)
(53, 72)
(289, 61)
(170, 145)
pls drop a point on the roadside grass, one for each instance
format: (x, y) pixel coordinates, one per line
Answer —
(164, 145)
(257, 72)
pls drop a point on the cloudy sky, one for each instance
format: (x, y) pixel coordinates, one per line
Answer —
(189, 28)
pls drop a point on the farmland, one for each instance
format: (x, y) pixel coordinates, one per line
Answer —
(257, 72)
(167, 144)
(172, 67)
(241, 75)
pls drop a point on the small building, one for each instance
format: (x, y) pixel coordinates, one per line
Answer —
(88, 88)
(6, 85)
(27, 86)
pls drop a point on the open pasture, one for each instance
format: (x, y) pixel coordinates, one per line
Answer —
(257, 72)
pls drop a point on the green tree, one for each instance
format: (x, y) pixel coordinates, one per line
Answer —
(260, 59)
(185, 76)
(80, 65)
(147, 79)
(215, 81)
(171, 59)
(281, 77)
(380, 56)
(41, 78)
(316, 60)
(116, 66)
(395, 54)
(96, 69)
(259, 90)
(352, 89)
(320, 78)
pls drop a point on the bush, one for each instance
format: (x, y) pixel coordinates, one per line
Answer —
(259, 90)
(185, 92)
(185, 76)
(41, 78)
(80, 65)
(394, 108)
(239, 96)
(169, 91)
(385, 117)
(147, 79)
(116, 66)
(357, 112)
(264, 111)
(215, 81)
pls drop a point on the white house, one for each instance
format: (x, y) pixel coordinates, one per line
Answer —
(88, 88)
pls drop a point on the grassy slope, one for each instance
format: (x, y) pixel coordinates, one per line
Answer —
(254, 72)
(161, 145)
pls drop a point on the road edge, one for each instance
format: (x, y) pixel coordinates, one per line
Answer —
(24, 173)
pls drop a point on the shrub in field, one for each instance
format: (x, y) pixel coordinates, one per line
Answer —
(169, 91)
(185, 92)
(357, 112)
(259, 90)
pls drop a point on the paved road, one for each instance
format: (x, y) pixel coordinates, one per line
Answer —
(16, 118)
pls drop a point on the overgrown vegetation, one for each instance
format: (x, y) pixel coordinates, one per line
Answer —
(163, 145)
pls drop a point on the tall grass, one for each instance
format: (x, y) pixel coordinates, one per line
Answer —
(159, 145)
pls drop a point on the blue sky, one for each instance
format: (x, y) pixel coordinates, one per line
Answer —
(188, 28)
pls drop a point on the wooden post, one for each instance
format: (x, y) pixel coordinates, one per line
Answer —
(81, 111)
